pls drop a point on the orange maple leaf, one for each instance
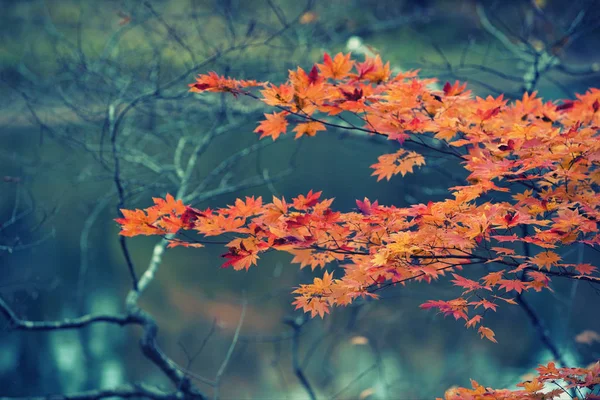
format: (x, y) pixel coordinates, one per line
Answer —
(274, 125)
(338, 68)
(308, 128)
(487, 333)
(545, 259)
(400, 162)
(585, 269)
(512, 284)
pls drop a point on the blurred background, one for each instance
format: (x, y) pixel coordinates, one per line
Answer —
(95, 116)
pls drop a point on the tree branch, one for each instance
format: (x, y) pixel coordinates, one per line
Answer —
(234, 341)
(541, 330)
(298, 370)
(126, 392)
(67, 323)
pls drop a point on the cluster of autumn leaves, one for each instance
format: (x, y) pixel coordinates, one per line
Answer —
(533, 178)
(549, 383)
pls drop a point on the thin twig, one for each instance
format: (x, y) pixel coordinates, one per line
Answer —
(234, 341)
(296, 365)
(362, 374)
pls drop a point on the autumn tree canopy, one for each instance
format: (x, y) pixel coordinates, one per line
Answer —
(530, 190)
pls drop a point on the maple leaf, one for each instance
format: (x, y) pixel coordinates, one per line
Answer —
(506, 238)
(466, 283)
(455, 307)
(181, 243)
(540, 280)
(314, 305)
(281, 95)
(400, 162)
(545, 259)
(338, 68)
(585, 269)
(274, 125)
(493, 278)
(313, 76)
(473, 321)
(170, 225)
(190, 216)
(549, 369)
(532, 386)
(503, 250)
(366, 207)
(275, 210)
(322, 284)
(487, 333)
(373, 70)
(239, 259)
(246, 208)
(354, 95)
(212, 82)
(308, 128)
(454, 89)
(311, 199)
(512, 284)
(304, 257)
(486, 304)
(485, 115)
(169, 205)
(137, 222)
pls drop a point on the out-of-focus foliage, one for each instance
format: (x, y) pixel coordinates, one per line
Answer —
(92, 91)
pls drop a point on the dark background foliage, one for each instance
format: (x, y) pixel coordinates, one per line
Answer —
(95, 116)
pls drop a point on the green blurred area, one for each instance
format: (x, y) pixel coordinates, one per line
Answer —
(98, 53)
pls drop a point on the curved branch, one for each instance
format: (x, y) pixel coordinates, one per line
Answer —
(67, 323)
(591, 69)
(541, 330)
(124, 392)
(148, 344)
(155, 354)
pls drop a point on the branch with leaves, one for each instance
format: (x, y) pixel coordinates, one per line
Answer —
(551, 150)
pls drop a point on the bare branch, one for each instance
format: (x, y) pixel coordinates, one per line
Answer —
(67, 323)
(172, 32)
(541, 330)
(113, 129)
(297, 324)
(234, 341)
(358, 377)
(519, 51)
(127, 391)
